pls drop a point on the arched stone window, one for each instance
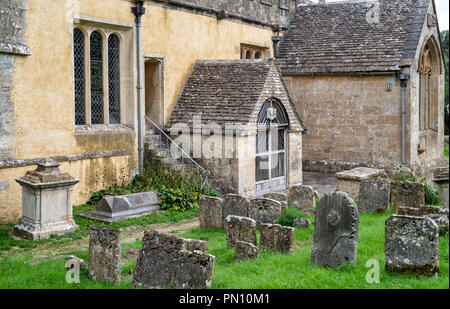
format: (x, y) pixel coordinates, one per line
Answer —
(96, 61)
(79, 76)
(429, 84)
(257, 55)
(271, 147)
(114, 78)
(248, 54)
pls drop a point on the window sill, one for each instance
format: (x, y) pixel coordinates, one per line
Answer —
(102, 128)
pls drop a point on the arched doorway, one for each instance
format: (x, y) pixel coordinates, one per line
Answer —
(271, 148)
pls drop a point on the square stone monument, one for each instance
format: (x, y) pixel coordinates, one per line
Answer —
(349, 181)
(46, 202)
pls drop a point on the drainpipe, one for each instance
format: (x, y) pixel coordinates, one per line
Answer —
(403, 83)
(138, 11)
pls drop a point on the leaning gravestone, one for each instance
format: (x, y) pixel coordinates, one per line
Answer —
(335, 238)
(374, 194)
(245, 250)
(301, 197)
(407, 194)
(240, 228)
(105, 251)
(210, 212)
(277, 238)
(411, 245)
(163, 261)
(234, 205)
(264, 210)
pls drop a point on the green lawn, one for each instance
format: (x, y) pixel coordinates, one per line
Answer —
(270, 270)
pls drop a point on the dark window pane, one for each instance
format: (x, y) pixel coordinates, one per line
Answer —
(248, 55)
(114, 78)
(262, 168)
(96, 46)
(78, 60)
(262, 141)
(257, 55)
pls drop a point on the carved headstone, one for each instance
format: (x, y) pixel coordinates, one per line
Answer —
(105, 251)
(240, 228)
(235, 205)
(163, 261)
(374, 195)
(245, 250)
(301, 197)
(277, 238)
(335, 238)
(412, 245)
(407, 194)
(264, 210)
(210, 212)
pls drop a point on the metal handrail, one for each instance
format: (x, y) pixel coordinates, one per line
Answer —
(204, 171)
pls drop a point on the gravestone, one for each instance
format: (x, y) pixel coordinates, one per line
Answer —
(264, 210)
(245, 250)
(240, 228)
(210, 212)
(438, 214)
(105, 251)
(441, 178)
(335, 238)
(235, 205)
(302, 223)
(277, 238)
(117, 208)
(407, 194)
(411, 245)
(301, 197)
(163, 261)
(195, 244)
(278, 196)
(349, 181)
(374, 195)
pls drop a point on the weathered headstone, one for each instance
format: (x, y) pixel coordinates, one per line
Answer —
(374, 195)
(335, 238)
(411, 245)
(245, 250)
(210, 212)
(163, 261)
(301, 197)
(277, 238)
(264, 210)
(278, 196)
(407, 194)
(195, 244)
(302, 223)
(240, 228)
(441, 178)
(349, 181)
(235, 205)
(117, 208)
(438, 214)
(105, 251)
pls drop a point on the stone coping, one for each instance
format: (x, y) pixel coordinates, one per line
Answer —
(359, 173)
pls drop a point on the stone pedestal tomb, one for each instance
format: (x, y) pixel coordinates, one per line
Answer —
(349, 181)
(46, 202)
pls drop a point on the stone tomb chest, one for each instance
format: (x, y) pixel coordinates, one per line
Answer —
(117, 208)
(349, 181)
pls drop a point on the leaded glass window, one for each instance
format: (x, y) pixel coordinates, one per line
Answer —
(114, 78)
(79, 79)
(96, 53)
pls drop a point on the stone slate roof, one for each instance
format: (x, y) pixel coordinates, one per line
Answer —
(225, 91)
(336, 38)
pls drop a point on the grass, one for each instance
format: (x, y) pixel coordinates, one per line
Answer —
(164, 216)
(271, 270)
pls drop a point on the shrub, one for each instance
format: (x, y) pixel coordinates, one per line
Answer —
(288, 215)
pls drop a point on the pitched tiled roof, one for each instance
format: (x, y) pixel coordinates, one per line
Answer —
(223, 91)
(335, 37)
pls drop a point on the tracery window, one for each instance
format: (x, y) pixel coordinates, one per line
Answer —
(97, 77)
(428, 89)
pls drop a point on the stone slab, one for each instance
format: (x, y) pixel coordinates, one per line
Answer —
(374, 195)
(412, 245)
(240, 228)
(407, 194)
(302, 197)
(105, 250)
(277, 238)
(335, 238)
(210, 210)
(264, 210)
(235, 205)
(244, 251)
